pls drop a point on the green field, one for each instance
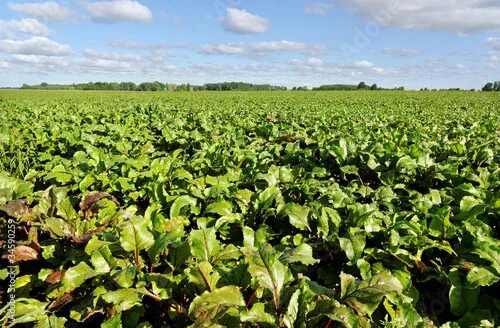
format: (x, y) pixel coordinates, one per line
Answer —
(251, 209)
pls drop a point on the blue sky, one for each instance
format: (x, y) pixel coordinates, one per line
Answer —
(450, 43)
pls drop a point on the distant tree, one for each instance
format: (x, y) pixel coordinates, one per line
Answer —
(374, 87)
(488, 87)
(44, 84)
(362, 86)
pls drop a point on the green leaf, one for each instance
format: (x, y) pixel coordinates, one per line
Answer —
(60, 174)
(266, 197)
(74, 277)
(302, 254)
(270, 273)
(161, 244)
(257, 314)
(100, 263)
(26, 310)
(348, 318)
(66, 211)
(204, 244)
(339, 148)
(462, 298)
(406, 164)
(122, 299)
(113, 322)
(210, 305)
(328, 217)
(477, 318)
(180, 203)
(353, 246)
(298, 216)
(204, 275)
(482, 277)
(365, 296)
(292, 310)
(135, 236)
(125, 277)
(441, 226)
(221, 208)
(58, 227)
(51, 322)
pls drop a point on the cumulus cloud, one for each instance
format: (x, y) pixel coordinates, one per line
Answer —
(37, 45)
(445, 15)
(46, 11)
(4, 64)
(40, 60)
(118, 11)
(223, 49)
(24, 26)
(318, 8)
(404, 53)
(315, 66)
(90, 53)
(362, 64)
(315, 61)
(96, 65)
(261, 48)
(127, 44)
(282, 45)
(242, 22)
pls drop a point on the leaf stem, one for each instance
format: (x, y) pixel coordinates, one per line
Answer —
(252, 297)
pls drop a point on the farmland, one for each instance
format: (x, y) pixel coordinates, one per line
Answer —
(257, 209)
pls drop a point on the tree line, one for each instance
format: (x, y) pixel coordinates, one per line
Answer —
(347, 87)
(223, 86)
(155, 86)
(492, 86)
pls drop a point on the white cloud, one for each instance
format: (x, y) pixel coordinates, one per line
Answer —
(261, 48)
(243, 22)
(36, 45)
(435, 61)
(25, 26)
(97, 65)
(363, 64)
(318, 8)
(315, 61)
(4, 64)
(223, 49)
(45, 11)
(404, 53)
(40, 60)
(463, 16)
(90, 53)
(118, 10)
(126, 44)
(315, 66)
(494, 43)
(494, 61)
(284, 45)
